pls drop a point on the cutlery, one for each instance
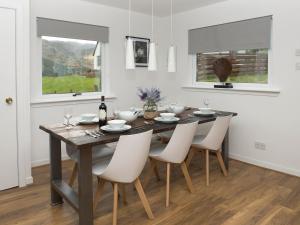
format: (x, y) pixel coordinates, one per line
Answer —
(91, 134)
(98, 133)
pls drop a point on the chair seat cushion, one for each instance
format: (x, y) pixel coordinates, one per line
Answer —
(156, 148)
(98, 153)
(100, 165)
(197, 141)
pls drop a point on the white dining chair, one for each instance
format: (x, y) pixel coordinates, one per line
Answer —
(212, 142)
(125, 167)
(99, 152)
(174, 152)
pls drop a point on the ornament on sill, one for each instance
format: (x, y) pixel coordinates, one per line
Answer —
(222, 68)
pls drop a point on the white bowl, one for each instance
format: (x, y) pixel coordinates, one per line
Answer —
(116, 124)
(205, 110)
(88, 116)
(127, 115)
(167, 116)
(177, 109)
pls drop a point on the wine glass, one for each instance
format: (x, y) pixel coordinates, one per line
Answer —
(68, 115)
(206, 102)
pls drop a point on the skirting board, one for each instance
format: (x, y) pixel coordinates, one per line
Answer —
(264, 164)
(45, 161)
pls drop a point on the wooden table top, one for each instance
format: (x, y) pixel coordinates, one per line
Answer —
(77, 137)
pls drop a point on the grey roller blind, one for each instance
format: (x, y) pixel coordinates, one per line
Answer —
(65, 29)
(241, 35)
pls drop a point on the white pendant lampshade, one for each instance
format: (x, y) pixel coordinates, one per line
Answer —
(129, 56)
(130, 64)
(172, 59)
(172, 49)
(152, 64)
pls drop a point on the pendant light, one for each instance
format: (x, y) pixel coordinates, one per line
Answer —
(172, 48)
(130, 64)
(152, 65)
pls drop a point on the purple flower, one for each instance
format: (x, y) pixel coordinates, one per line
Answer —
(152, 94)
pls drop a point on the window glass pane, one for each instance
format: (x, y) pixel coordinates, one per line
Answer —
(249, 66)
(70, 66)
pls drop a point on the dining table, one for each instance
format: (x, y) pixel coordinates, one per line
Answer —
(76, 137)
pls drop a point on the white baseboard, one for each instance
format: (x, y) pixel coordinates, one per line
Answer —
(267, 165)
(43, 162)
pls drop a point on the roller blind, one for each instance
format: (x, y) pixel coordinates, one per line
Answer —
(65, 29)
(241, 35)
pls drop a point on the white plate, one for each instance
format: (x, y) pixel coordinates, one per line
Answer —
(107, 128)
(173, 120)
(87, 122)
(200, 113)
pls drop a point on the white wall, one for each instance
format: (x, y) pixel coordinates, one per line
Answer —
(272, 119)
(122, 84)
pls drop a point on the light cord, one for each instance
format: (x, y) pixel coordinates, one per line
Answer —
(129, 17)
(171, 34)
(152, 20)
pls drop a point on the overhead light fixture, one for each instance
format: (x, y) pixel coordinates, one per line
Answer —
(152, 64)
(130, 62)
(172, 48)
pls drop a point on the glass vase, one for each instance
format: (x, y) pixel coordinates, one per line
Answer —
(150, 110)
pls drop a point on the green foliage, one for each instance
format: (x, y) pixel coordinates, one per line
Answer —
(70, 84)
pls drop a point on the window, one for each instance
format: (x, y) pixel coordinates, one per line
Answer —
(248, 66)
(70, 66)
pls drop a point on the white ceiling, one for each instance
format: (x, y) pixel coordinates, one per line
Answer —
(162, 7)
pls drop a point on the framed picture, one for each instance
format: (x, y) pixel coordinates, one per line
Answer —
(141, 50)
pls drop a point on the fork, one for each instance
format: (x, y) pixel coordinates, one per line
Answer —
(91, 134)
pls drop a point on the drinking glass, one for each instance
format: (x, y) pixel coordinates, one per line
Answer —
(206, 102)
(68, 115)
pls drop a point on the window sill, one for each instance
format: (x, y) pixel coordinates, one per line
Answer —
(68, 99)
(262, 91)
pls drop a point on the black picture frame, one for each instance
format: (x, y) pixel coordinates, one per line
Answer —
(141, 50)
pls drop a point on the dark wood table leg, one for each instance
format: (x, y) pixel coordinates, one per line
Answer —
(55, 169)
(85, 186)
(225, 150)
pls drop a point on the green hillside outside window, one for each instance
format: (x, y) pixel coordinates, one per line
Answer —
(70, 66)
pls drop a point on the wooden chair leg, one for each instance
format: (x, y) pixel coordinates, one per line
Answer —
(190, 157)
(221, 162)
(203, 159)
(187, 177)
(168, 184)
(73, 175)
(154, 166)
(149, 173)
(115, 207)
(207, 166)
(124, 197)
(100, 187)
(143, 198)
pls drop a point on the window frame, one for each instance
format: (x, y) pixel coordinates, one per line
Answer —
(71, 96)
(195, 83)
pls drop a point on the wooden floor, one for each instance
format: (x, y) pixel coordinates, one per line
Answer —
(249, 195)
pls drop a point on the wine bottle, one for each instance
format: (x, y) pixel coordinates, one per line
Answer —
(102, 112)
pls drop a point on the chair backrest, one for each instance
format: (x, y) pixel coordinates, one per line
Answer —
(130, 157)
(180, 143)
(216, 135)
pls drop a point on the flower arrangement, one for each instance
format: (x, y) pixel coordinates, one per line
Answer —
(149, 95)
